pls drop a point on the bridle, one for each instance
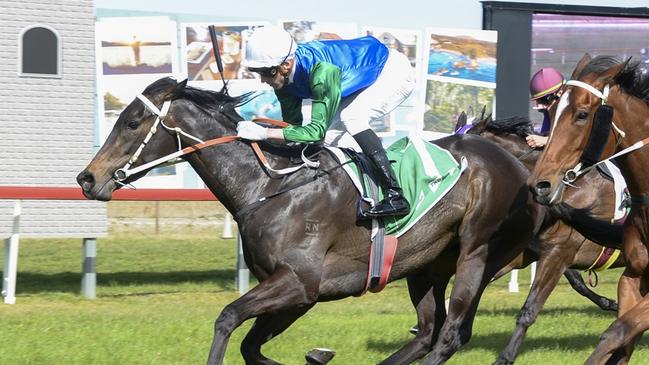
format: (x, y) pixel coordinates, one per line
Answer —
(603, 123)
(580, 169)
(127, 170)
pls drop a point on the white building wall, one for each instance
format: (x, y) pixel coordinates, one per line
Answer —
(47, 124)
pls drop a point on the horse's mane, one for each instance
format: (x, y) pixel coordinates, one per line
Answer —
(633, 79)
(213, 102)
(209, 101)
(521, 126)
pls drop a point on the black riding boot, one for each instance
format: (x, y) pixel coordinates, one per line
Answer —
(393, 203)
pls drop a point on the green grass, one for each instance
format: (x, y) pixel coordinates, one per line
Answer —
(158, 297)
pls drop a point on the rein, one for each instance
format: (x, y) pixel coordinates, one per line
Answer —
(526, 154)
(123, 173)
(264, 199)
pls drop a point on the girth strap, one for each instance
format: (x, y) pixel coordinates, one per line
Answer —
(640, 200)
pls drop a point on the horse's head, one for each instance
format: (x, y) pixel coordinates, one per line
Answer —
(149, 128)
(581, 130)
(479, 125)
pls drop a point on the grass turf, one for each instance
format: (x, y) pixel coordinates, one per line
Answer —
(158, 296)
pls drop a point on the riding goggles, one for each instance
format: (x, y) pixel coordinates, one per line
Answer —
(265, 71)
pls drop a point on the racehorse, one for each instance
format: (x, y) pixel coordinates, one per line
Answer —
(478, 227)
(595, 193)
(605, 110)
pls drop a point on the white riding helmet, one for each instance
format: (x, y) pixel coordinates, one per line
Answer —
(268, 46)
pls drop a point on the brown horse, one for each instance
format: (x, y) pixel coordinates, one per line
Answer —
(595, 197)
(604, 110)
(479, 226)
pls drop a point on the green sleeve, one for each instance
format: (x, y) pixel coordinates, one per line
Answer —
(291, 107)
(325, 91)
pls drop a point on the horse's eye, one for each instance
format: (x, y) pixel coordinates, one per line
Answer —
(582, 115)
(132, 124)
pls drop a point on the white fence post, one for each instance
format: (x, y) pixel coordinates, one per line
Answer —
(10, 266)
(513, 282)
(532, 273)
(227, 226)
(242, 281)
(89, 275)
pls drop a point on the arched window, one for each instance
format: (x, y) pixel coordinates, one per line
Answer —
(40, 52)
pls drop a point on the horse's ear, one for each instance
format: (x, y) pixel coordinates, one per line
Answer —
(484, 110)
(607, 76)
(580, 66)
(180, 87)
(470, 112)
(488, 119)
(461, 121)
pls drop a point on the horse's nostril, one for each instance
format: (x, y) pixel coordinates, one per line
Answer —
(86, 180)
(543, 188)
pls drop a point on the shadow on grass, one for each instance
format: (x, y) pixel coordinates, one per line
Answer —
(592, 311)
(70, 282)
(496, 342)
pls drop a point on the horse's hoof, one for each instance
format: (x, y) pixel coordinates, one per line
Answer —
(319, 356)
(503, 361)
(612, 306)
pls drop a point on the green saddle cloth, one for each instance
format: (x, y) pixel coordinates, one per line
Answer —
(426, 173)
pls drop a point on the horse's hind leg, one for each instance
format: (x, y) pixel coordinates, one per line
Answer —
(470, 281)
(431, 312)
(521, 261)
(264, 329)
(577, 283)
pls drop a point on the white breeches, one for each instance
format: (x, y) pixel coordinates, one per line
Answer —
(391, 88)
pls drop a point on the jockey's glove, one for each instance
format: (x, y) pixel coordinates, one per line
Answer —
(251, 131)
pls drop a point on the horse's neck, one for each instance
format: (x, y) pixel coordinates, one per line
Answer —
(632, 116)
(515, 145)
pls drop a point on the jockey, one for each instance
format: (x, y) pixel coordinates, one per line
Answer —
(354, 81)
(545, 90)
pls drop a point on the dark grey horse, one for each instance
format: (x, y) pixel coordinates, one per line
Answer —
(479, 226)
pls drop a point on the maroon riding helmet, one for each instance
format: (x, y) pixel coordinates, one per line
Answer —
(545, 81)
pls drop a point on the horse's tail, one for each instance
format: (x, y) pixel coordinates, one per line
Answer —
(597, 230)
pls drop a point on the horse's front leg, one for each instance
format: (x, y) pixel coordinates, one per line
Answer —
(266, 327)
(552, 264)
(286, 288)
(618, 341)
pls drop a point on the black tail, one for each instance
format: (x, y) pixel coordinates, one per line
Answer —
(597, 230)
